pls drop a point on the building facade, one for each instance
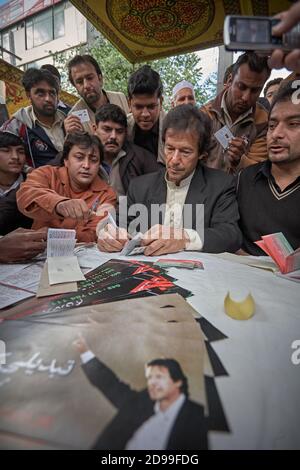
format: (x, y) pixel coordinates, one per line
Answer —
(34, 30)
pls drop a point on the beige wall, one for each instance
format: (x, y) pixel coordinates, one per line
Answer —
(75, 34)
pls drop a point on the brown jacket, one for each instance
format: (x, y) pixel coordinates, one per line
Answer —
(253, 126)
(46, 186)
(114, 97)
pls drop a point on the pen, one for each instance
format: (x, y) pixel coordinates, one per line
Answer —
(94, 206)
(111, 220)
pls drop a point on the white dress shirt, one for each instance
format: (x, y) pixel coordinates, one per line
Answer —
(176, 196)
(154, 433)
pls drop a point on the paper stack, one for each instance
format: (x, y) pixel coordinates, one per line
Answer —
(62, 267)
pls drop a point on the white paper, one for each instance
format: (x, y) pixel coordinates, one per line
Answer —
(224, 136)
(64, 269)
(10, 269)
(9, 296)
(82, 114)
(60, 242)
(28, 278)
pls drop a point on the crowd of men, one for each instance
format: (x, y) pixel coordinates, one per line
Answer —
(67, 168)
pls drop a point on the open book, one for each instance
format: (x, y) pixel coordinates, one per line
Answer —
(277, 246)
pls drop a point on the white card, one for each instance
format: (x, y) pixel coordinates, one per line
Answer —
(224, 136)
(82, 114)
(131, 246)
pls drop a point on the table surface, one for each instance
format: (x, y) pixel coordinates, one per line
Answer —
(261, 394)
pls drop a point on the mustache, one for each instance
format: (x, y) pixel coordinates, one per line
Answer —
(112, 141)
(276, 142)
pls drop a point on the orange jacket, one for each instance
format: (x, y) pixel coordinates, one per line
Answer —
(46, 186)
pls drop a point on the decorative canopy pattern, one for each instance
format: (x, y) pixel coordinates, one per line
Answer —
(149, 29)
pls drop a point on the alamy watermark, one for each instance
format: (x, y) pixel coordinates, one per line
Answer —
(2, 353)
(140, 218)
(295, 357)
(296, 94)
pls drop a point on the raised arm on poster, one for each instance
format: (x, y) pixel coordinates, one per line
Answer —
(138, 423)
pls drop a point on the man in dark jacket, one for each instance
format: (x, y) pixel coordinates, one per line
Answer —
(123, 160)
(188, 206)
(12, 159)
(159, 417)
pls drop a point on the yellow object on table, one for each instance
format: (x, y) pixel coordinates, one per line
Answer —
(239, 310)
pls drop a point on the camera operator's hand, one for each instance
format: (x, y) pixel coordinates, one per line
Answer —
(278, 58)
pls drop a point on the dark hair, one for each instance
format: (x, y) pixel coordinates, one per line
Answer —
(228, 72)
(34, 76)
(52, 70)
(83, 140)
(145, 81)
(284, 93)
(188, 118)
(175, 372)
(255, 63)
(111, 112)
(83, 59)
(8, 139)
(276, 81)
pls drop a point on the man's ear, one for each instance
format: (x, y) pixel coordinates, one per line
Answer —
(101, 80)
(203, 156)
(172, 104)
(28, 94)
(129, 104)
(94, 127)
(179, 384)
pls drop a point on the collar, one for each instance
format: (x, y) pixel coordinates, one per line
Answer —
(154, 130)
(106, 95)
(120, 155)
(183, 183)
(59, 118)
(173, 409)
(107, 166)
(241, 117)
(61, 104)
(15, 185)
(264, 171)
(97, 184)
(88, 107)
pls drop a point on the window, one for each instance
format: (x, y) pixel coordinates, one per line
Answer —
(59, 21)
(45, 26)
(7, 42)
